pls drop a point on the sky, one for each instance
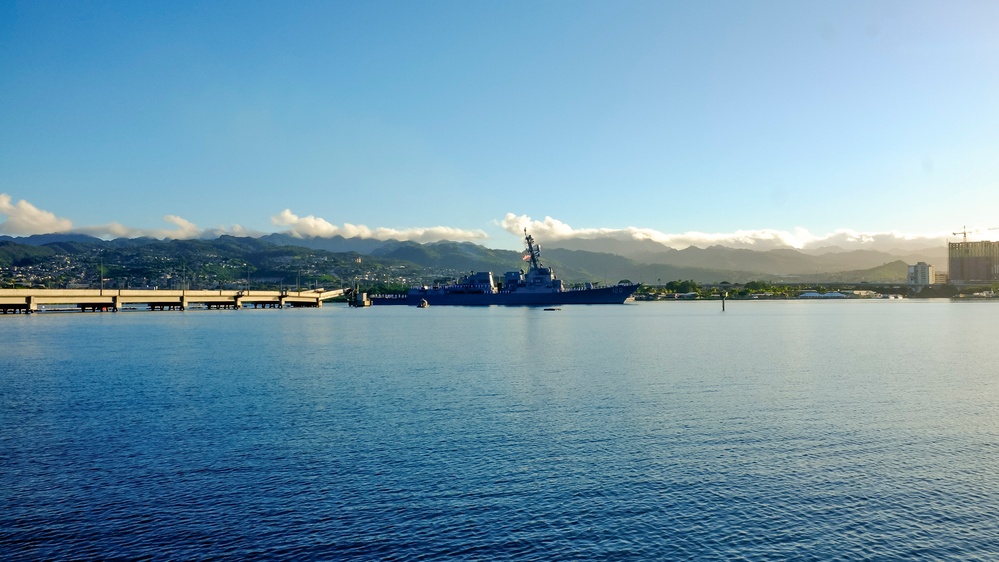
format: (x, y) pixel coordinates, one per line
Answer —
(754, 124)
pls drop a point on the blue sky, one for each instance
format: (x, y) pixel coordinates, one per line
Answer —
(672, 120)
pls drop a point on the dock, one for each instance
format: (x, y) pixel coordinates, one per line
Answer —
(112, 300)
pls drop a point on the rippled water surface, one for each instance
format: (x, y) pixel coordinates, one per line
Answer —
(772, 431)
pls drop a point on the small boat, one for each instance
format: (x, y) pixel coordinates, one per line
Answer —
(423, 304)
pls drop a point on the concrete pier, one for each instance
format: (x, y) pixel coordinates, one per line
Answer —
(100, 300)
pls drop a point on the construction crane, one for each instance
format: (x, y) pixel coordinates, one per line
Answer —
(964, 231)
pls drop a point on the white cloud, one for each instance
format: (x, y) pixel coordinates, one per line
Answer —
(317, 227)
(24, 219)
(183, 230)
(851, 240)
(763, 239)
(234, 230)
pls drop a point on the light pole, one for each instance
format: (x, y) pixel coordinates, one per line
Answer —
(247, 276)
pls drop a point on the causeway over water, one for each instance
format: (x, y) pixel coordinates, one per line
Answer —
(33, 300)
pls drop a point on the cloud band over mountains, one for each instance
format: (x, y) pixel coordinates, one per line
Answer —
(311, 226)
(763, 239)
(24, 219)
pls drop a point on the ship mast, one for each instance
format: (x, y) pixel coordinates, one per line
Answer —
(533, 251)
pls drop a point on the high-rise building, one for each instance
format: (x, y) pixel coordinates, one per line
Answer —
(973, 262)
(921, 274)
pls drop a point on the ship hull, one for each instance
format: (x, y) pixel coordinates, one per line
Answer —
(617, 294)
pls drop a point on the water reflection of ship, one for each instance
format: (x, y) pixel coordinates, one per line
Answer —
(538, 286)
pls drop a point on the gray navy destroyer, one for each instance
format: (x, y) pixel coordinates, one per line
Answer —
(537, 287)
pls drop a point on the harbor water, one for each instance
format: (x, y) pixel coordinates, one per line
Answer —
(782, 430)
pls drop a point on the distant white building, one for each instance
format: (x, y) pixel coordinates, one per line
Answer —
(921, 274)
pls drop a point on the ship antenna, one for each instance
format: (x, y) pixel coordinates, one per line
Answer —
(533, 252)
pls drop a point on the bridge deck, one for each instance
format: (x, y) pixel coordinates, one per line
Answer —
(29, 300)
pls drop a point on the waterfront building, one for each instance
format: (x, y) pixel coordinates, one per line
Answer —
(921, 274)
(940, 278)
(973, 262)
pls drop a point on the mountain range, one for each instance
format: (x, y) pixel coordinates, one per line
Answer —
(600, 259)
(647, 260)
(785, 261)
